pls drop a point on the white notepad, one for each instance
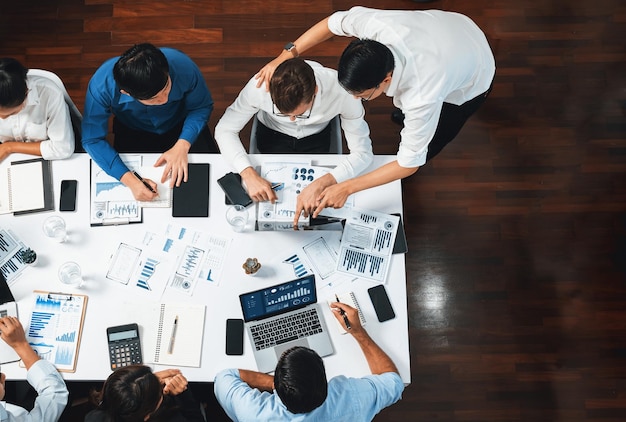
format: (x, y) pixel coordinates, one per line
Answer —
(22, 187)
(164, 200)
(349, 299)
(172, 334)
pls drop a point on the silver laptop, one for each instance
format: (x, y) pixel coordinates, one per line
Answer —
(283, 316)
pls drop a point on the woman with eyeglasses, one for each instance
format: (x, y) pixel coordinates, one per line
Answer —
(34, 118)
(135, 394)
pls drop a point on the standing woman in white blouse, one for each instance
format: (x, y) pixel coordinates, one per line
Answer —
(34, 118)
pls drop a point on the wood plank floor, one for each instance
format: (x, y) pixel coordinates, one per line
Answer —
(516, 268)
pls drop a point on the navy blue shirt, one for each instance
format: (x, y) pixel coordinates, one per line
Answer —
(189, 100)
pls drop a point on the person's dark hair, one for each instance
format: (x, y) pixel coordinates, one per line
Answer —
(141, 71)
(363, 65)
(13, 87)
(130, 394)
(292, 84)
(300, 380)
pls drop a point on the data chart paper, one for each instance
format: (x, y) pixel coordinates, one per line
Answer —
(367, 244)
(56, 325)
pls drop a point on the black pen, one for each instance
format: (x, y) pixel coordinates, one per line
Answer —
(144, 182)
(343, 314)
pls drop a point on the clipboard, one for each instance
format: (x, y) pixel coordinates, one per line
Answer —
(56, 326)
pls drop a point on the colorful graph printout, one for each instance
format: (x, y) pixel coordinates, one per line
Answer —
(55, 328)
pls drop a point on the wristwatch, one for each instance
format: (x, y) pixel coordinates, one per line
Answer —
(291, 47)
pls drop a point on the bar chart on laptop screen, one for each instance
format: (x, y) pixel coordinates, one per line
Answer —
(301, 293)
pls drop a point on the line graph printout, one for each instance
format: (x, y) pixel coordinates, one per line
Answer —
(200, 256)
(55, 328)
(367, 244)
(111, 201)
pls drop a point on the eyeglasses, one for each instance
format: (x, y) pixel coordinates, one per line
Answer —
(371, 93)
(299, 116)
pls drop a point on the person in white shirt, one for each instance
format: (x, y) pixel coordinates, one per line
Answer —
(294, 117)
(437, 66)
(42, 376)
(34, 118)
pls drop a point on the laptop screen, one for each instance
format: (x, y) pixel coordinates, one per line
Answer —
(278, 299)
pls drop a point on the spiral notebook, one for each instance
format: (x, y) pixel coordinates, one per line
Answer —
(26, 186)
(349, 299)
(173, 334)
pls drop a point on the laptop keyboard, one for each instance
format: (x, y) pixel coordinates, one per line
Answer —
(287, 328)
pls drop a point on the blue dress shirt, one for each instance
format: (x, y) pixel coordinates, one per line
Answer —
(348, 400)
(189, 100)
(51, 398)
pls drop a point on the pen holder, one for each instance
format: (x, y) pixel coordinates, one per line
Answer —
(251, 266)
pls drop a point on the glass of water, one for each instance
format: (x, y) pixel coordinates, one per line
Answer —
(70, 274)
(54, 228)
(237, 217)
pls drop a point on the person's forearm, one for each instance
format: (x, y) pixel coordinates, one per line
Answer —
(313, 36)
(26, 354)
(382, 175)
(31, 148)
(377, 359)
(258, 380)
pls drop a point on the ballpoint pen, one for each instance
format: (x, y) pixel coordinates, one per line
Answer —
(170, 349)
(277, 185)
(343, 314)
(144, 182)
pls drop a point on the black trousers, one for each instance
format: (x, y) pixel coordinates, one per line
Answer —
(270, 141)
(131, 140)
(451, 120)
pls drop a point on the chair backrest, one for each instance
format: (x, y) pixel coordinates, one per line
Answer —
(336, 142)
(75, 114)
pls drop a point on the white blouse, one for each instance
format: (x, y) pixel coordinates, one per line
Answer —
(45, 117)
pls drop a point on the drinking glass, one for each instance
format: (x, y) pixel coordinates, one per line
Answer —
(237, 217)
(70, 274)
(54, 228)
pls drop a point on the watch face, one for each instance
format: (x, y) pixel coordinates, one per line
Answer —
(289, 46)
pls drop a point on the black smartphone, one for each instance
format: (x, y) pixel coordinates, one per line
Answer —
(234, 336)
(382, 305)
(235, 193)
(68, 195)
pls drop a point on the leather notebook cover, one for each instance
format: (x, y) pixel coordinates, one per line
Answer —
(191, 198)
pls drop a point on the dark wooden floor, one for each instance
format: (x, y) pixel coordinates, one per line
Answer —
(517, 231)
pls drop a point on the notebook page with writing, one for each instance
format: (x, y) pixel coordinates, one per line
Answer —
(164, 200)
(349, 299)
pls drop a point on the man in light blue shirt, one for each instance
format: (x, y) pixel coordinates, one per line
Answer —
(161, 104)
(42, 375)
(298, 391)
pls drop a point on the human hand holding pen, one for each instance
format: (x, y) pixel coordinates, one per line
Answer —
(138, 187)
(345, 312)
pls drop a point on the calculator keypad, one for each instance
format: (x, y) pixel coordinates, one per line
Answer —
(124, 353)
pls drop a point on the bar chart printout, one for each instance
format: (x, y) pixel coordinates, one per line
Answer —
(55, 328)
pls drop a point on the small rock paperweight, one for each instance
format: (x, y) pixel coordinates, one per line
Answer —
(251, 266)
(28, 256)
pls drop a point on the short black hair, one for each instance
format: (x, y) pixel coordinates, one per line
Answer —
(13, 87)
(142, 71)
(292, 84)
(300, 380)
(363, 65)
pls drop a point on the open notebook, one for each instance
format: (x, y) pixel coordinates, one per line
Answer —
(26, 186)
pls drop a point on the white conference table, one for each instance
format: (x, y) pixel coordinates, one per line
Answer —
(110, 303)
